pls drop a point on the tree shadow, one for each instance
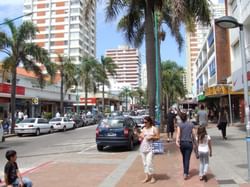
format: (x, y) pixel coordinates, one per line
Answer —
(161, 177)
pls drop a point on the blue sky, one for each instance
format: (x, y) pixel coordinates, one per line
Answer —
(107, 34)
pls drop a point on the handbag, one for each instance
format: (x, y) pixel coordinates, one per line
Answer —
(219, 125)
(158, 147)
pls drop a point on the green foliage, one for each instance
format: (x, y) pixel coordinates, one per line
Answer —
(47, 115)
(172, 80)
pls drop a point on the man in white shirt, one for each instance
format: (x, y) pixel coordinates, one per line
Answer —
(58, 115)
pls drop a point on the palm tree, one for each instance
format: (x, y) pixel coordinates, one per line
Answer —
(172, 82)
(108, 66)
(138, 22)
(125, 92)
(19, 51)
(67, 72)
(90, 73)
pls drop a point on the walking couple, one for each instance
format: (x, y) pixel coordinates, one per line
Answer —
(186, 139)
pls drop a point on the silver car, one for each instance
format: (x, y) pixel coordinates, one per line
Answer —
(33, 126)
(62, 123)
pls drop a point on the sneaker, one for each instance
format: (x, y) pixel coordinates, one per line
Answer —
(185, 176)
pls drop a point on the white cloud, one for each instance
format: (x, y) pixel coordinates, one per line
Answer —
(11, 2)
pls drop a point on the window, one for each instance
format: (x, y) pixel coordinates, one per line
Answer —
(212, 69)
(52, 43)
(210, 39)
(74, 18)
(74, 35)
(74, 42)
(74, 26)
(65, 42)
(75, 10)
(74, 50)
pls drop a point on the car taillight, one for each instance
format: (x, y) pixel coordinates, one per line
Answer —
(126, 132)
(31, 126)
(97, 132)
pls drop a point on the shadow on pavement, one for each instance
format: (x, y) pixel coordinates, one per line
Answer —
(109, 149)
(161, 177)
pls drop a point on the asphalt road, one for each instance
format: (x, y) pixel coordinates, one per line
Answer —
(35, 150)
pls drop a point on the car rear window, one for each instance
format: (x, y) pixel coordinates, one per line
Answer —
(113, 123)
(29, 120)
(56, 119)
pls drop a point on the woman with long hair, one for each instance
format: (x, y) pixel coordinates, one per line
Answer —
(204, 149)
(222, 122)
(184, 140)
(148, 134)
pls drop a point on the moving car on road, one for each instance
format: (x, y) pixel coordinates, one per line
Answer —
(33, 126)
(116, 131)
(62, 123)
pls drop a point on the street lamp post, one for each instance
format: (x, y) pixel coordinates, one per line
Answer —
(229, 22)
(16, 18)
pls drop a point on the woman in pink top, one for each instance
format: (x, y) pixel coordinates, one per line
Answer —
(148, 134)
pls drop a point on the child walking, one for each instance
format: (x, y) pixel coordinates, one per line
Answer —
(204, 149)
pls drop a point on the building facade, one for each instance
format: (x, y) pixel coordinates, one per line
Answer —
(194, 43)
(144, 80)
(128, 65)
(63, 28)
(241, 11)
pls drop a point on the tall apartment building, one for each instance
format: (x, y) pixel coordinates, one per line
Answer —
(195, 40)
(128, 65)
(63, 28)
(144, 80)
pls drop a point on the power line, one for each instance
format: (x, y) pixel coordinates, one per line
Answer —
(16, 18)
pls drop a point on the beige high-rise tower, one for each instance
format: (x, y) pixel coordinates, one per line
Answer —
(63, 28)
(195, 40)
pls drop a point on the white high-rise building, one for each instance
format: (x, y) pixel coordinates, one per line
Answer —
(195, 41)
(63, 28)
(128, 65)
(144, 79)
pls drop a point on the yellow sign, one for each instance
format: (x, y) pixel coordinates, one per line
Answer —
(216, 90)
(35, 101)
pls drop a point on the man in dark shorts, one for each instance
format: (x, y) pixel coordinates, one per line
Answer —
(171, 119)
(11, 172)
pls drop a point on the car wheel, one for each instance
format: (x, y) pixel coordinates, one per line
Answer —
(99, 147)
(37, 132)
(64, 129)
(131, 145)
(51, 130)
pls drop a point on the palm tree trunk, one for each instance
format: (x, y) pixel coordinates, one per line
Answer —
(167, 102)
(13, 99)
(150, 56)
(86, 98)
(103, 104)
(61, 95)
(126, 100)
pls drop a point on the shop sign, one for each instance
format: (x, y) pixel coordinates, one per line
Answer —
(216, 90)
(35, 101)
(89, 100)
(6, 88)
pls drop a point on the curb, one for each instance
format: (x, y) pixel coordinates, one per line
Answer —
(9, 135)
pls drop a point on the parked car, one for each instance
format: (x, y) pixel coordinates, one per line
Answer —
(116, 131)
(1, 133)
(78, 121)
(89, 120)
(139, 120)
(62, 123)
(33, 126)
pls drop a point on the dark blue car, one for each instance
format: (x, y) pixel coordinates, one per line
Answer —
(116, 131)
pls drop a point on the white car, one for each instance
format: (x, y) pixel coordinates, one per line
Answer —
(1, 133)
(33, 126)
(62, 123)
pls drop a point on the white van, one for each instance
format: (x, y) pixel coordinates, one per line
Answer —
(1, 133)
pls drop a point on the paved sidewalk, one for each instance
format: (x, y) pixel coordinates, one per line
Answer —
(122, 169)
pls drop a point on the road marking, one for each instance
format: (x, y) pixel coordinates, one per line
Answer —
(32, 170)
(86, 149)
(118, 173)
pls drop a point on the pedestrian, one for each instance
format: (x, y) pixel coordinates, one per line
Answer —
(202, 116)
(58, 115)
(11, 172)
(148, 134)
(184, 140)
(222, 122)
(171, 119)
(205, 149)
